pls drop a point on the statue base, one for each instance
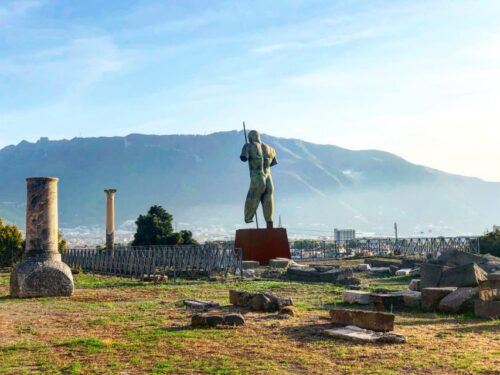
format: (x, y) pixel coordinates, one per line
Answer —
(262, 245)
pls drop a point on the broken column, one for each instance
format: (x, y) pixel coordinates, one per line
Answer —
(41, 272)
(110, 219)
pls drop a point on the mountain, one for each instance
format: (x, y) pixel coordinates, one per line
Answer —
(201, 180)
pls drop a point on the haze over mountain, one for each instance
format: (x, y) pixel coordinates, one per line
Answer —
(201, 180)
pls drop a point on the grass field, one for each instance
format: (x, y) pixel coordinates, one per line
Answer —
(115, 325)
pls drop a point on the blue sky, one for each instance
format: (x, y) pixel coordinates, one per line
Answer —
(417, 78)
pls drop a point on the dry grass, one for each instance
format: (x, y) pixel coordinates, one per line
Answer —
(114, 325)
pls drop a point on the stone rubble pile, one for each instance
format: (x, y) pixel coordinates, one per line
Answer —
(258, 301)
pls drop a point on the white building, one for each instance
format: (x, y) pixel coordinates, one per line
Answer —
(341, 235)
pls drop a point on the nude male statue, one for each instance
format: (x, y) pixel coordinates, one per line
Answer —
(261, 158)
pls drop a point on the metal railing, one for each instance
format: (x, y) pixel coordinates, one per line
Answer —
(416, 247)
(182, 260)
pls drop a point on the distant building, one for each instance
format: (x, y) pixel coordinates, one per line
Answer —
(341, 235)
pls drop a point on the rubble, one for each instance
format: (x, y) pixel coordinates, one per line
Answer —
(432, 296)
(195, 304)
(259, 301)
(461, 300)
(356, 296)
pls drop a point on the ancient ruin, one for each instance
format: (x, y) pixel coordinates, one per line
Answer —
(41, 272)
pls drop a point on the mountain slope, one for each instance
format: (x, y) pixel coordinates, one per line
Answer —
(202, 182)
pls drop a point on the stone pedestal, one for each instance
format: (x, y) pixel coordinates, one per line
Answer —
(262, 245)
(41, 272)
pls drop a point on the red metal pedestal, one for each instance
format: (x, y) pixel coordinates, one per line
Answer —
(262, 244)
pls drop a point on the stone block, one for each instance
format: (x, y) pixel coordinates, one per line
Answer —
(430, 275)
(376, 321)
(414, 285)
(381, 270)
(403, 272)
(279, 263)
(206, 320)
(49, 278)
(250, 264)
(363, 267)
(354, 333)
(462, 276)
(194, 304)
(487, 309)
(356, 296)
(432, 296)
(460, 300)
(389, 300)
(413, 300)
(489, 290)
(289, 310)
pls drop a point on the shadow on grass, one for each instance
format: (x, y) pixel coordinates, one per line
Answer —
(493, 327)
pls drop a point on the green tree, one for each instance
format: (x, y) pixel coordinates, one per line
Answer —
(62, 245)
(490, 243)
(11, 244)
(155, 228)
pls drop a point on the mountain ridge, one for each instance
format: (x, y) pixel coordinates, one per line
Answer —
(200, 179)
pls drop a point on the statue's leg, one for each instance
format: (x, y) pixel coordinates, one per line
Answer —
(257, 187)
(268, 202)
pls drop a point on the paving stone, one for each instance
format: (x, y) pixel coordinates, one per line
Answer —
(354, 333)
(376, 321)
(487, 309)
(432, 296)
(356, 296)
(460, 300)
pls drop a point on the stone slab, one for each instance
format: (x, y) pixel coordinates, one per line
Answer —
(432, 296)
(263, 244)
(381, 270)
(356, 296)
(354, 333)
(413, 300)
(462, 276)
(279, 263)
(376, 321)
(460, 300)
(195, 304)
(489, 290)
(364, 267)
(403, 272)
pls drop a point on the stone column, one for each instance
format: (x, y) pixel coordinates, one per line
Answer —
(41, 272)
(110, 219)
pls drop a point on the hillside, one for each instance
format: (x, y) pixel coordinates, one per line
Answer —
(202, 182)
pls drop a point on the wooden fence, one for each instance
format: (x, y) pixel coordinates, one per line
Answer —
(186, 260)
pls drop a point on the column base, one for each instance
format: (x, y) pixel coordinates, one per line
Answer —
(49, 278)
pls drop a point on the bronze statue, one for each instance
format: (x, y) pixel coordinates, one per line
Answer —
(261, 158)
